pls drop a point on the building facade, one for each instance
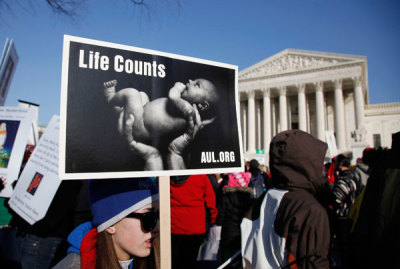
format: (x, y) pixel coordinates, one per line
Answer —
(324, 94)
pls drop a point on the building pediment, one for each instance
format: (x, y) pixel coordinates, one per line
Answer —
(291, 60)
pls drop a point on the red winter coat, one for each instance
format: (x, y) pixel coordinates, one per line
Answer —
(188, 205)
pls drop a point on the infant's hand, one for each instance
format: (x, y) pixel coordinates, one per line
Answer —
(180, 86)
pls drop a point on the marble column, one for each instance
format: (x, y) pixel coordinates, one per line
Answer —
(359, 103)
(301, 99)
(251, 144)
(274, 117)
(258, 124)
(320, 114)
(283, 109)
(244, 126)
(267, 118)
(340, 126)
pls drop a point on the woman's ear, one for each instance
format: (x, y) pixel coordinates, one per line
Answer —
(111, 229)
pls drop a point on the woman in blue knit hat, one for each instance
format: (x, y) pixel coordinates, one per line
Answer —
(124, 230)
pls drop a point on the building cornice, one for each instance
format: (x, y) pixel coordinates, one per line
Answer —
(382, 109)
(300, 72)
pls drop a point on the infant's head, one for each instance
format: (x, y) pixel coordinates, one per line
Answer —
(201, 92)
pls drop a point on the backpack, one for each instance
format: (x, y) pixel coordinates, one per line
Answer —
(257, 184)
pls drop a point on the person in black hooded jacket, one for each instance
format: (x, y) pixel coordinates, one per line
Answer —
(258, 178)
(290, 228)
(235, 201)
(342, 199)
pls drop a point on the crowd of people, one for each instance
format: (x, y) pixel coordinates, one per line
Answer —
(299, 212)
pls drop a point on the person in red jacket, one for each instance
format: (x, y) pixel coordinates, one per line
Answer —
(190, 196)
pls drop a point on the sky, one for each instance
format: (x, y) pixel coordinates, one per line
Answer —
(235, 32)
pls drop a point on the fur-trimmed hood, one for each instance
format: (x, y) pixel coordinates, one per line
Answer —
(237, 189)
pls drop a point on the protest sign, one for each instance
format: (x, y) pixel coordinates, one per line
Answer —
(132, 112)
(15, 124)
(260, 156)
(331, 141)
(8, 64)
(39, 180)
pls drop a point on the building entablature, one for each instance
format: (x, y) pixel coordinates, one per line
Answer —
(382, 109)
(292, 68)
(291, 61)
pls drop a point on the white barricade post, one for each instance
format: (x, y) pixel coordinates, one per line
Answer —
(121, 104)
(15, 124)
(39, 180)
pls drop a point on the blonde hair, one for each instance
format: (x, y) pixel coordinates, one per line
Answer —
(263, 168)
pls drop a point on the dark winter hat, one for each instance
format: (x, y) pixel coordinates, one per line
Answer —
(240, 179)
(344, 160)
(254, 164)
(113, 199)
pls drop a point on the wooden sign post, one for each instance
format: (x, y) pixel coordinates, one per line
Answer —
(165, 222)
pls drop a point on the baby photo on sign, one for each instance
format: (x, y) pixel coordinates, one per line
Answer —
(37, 178)
(132, 110)
(8, 132)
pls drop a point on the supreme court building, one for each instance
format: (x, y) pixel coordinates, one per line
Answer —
(324, 94)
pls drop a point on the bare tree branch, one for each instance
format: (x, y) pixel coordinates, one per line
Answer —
(137, 2)
(73, 9)
(69, 8)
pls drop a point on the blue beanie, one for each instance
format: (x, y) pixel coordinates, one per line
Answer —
(112, 200)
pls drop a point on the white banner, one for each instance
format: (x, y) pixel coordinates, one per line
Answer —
(39, 181)
(15, 124)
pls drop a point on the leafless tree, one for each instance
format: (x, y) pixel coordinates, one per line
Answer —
(68, 8)
(71, 8)
(65, 7)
